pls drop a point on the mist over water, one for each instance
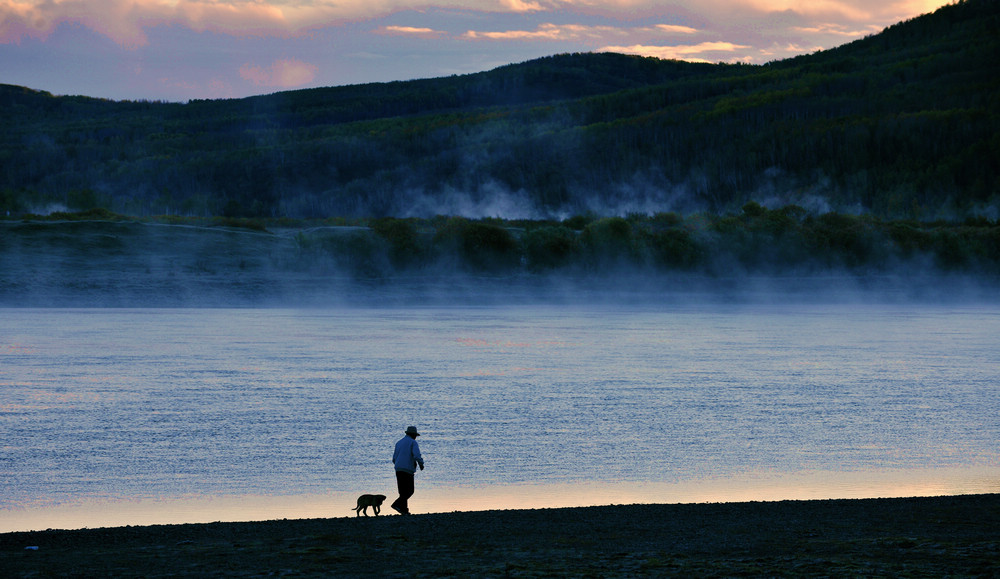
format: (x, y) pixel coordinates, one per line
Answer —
(128, 264)
(128, 416)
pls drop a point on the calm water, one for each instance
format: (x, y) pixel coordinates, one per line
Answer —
(113, 416)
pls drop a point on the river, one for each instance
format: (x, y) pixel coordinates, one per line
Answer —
(139, 416)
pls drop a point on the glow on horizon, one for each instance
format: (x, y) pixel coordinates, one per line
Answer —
(766, 486)
(181, 49)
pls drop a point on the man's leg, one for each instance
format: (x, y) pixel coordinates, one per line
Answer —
(404, 482)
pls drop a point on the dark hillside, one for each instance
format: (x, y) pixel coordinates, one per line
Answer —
(559, 77)
(902, 124)
(554, 78)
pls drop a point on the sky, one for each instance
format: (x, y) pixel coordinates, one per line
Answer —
(177, 50)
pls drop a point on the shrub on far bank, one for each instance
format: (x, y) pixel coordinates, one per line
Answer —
(675, 249)
(550, 247)
(485, 246)
(405, 248)
(608, 242)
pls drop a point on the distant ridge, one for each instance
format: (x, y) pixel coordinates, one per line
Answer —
(901, 124)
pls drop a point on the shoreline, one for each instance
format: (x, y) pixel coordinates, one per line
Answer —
(952, 535)
(442, 498)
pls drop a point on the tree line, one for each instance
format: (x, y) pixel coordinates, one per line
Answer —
(756, 241)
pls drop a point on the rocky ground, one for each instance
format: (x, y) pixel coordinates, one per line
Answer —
(955, 536)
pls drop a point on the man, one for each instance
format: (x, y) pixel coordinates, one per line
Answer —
(406, 458)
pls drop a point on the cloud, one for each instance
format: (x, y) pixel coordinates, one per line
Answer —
(690, 53)
(287, 73)
(579, 32)
(851, 10)
(34, 19)
(521, 6)
(411, 31)
(241, 18)
(836, 29)
(673, 28)
(125, 21)
(547, 31)
(856, 11)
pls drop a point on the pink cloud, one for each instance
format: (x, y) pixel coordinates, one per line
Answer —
(288, 73)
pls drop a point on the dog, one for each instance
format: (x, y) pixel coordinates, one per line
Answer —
(365, 501)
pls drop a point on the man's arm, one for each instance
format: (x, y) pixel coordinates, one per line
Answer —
(416, 455)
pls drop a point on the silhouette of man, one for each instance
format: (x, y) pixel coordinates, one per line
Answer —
(405, 458)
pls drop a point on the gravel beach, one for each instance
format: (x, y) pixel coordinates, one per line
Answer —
(954, 536)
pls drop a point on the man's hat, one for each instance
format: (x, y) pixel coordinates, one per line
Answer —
(412, 430)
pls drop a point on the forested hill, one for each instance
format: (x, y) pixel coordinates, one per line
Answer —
(903, 124)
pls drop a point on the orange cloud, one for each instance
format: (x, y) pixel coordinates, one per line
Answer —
(287, 73)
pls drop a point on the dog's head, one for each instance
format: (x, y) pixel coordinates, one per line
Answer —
(377, 499)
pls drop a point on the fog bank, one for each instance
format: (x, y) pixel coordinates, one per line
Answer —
(131, 264)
